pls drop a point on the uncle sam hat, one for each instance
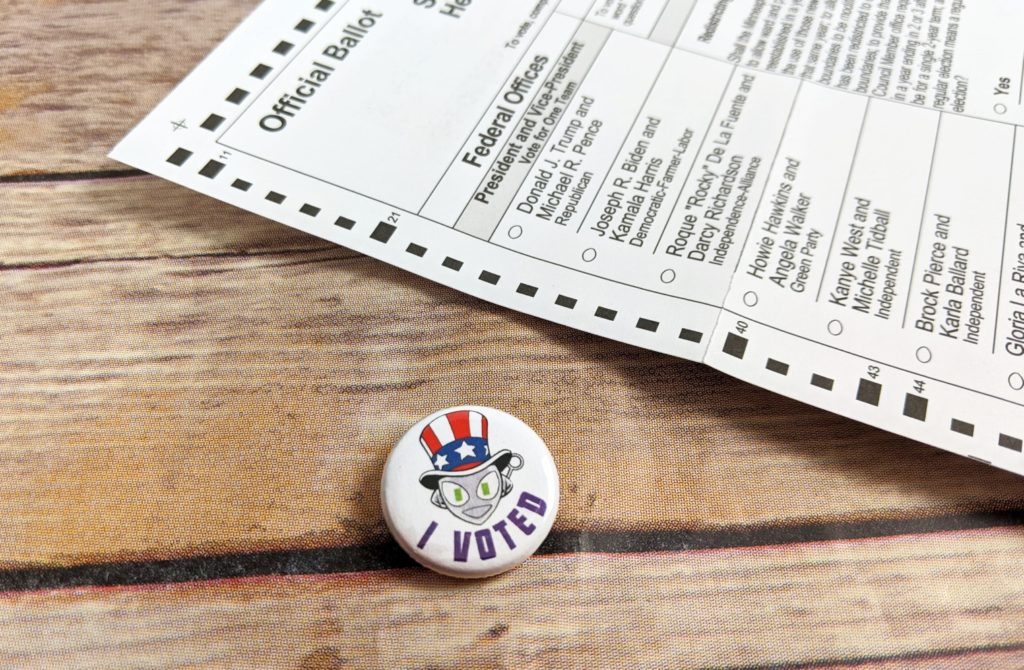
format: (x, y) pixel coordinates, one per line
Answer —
(456, 443)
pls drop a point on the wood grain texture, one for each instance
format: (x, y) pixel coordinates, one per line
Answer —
(813, 603)
(180, 378)
(261, 393)
(133, 220)
(76, 76)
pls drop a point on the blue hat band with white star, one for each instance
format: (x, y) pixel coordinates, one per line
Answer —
(462, 454)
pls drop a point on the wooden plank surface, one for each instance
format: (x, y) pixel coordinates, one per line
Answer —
(78, 75)
(812, 603)
(133, 219)
(184, 382)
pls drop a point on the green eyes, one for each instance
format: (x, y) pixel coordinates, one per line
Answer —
(489, 486)
(454, 494)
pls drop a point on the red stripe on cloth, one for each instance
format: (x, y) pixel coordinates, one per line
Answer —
(432, 442)
(466, 466)
(483, 426)
(459, 421)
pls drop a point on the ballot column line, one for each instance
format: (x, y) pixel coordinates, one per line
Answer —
(625, 138)
(1020, 85)
(533, 100)
(842, 202)
(920, 227)
(1002, 249)
(851, 92)
(686, 21)
(543, 148)
(654, 26)
(700, 151)
(483, 114)
(757, 208)
(760, 199)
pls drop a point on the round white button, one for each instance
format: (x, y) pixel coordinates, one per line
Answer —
(470, 491)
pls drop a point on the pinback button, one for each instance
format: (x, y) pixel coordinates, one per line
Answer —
(470, 491)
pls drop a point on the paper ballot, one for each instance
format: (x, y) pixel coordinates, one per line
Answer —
(822, 197)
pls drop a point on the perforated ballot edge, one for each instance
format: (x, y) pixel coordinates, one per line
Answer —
(884, 393)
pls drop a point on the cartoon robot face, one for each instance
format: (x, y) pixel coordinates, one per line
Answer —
(472, 497)
(468, 479)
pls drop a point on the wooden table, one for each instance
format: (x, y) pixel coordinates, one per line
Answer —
(195, 405)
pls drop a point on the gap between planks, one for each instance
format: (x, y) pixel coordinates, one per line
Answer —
(388, 556)
(82, 175)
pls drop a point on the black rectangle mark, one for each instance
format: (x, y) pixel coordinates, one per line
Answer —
(822, 382)
(526, 290)
(283, 47)
(735, 345)
(489, 277)
(452, 263)
(691, 335)
(869, 392)
(275, 197)
(915, 406)
(212, 122)
(324, 5)
(309, 210)
(344, 222)
(260, 71)
(777, 367)
(1011, 442)
(179, 157)
(383, 232)
(647, 324)
(211, 169)
(237, 96)
(241, 185)
(416, 250)
(962, 427)
(605, 313)
(304, 25)
(565, 301)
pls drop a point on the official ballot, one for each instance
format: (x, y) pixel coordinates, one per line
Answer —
(822, 197)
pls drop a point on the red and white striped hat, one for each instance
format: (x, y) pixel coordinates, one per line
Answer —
(456, 442)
